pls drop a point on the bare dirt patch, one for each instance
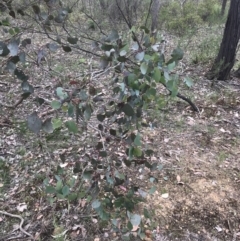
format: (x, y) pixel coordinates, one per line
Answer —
(201, 156)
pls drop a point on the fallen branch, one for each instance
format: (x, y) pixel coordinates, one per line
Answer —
(20, 226)
(195, 108)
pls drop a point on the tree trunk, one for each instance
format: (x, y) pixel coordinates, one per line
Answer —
(155, 14)
(102, 4)
(225, 59)
(224, 2)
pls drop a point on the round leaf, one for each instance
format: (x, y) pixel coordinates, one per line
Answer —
(143, 68)
(128, 110)
(72, 126)
(96, 204)
(55, 104)
(34, 123)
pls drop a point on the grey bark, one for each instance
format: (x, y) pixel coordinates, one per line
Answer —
(226, 57)
(155, 14)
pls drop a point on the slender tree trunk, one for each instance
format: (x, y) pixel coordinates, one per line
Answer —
(155, 14)
(102, 4)
(224, 2)
(225, 60)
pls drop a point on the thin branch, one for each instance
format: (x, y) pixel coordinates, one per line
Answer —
(20, 225)
(95, 23)
(149, 10)
(129, 26)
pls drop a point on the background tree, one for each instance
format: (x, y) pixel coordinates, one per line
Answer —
(224, 3)
(225, 59)
(155, 7)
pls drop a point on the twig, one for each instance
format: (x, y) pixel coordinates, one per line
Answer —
(20, 226)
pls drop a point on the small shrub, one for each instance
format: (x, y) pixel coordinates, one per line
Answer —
(209, 10)
(180, 19)
(206, 51)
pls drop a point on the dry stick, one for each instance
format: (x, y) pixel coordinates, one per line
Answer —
(20, 226)
(195, 108)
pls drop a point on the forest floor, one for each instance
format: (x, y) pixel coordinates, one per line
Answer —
(198, 189)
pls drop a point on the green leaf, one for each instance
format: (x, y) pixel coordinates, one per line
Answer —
(26, 87)
(87, 113)
(137, 152)
(113, 36)
(152, 190)
(112, 132)
(155, 47)
(147, 57)
(129, 226)
(103, 63)
(66, 48)
(53, 47)
(56, 104)
(128, 110)
(4, 51)
(137, 140)
(146, 30)
(96, 204)
(135, 219)
(119, 202)
(34, 123)
(11, 67)
(103, 215)
(36, 9)
(22, 57)
(60, 93)
(59, 185)
(171, 66)
(157, 74)
(151, 92)
(188, 81)
(103, 153)
(143, 68)
(50, 189)
(149, 152)
(135, 46)
(65, 190)
(87, 175)
(47, 126)
(20, 75)
(72, 40)
(140, 56)
(70, 110)
(26, 41)
(72, 126)
(11, 31)
(13, 47)
(60, 196)
(123, 52)
(177, 54)
(56, 123)
(83, 95)
(72, 196)
(119, 175)
(173, 87)
(101, 117)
